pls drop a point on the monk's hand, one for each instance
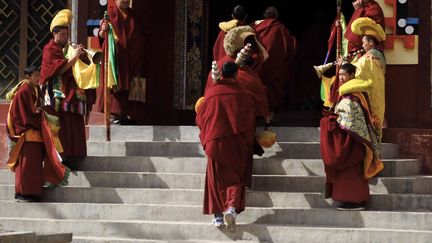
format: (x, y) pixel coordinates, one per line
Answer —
(357, 4)
(267, 126)
(79, 50)
(105, 26)
(38, 110)
(340, 61)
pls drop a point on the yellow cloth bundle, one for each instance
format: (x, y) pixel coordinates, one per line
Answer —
(267, 138)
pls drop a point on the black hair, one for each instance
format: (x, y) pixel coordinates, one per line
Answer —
(30, 70)
(372, 38)
(271, 12)
(57, 29)
(248, 61)
(229, 70)
(239, 13)
(349, 68)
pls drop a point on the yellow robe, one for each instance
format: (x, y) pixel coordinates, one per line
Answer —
(371, 67)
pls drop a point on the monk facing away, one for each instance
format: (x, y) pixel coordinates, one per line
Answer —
(224, 119)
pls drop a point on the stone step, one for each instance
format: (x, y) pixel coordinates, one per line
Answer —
(80, 239)
(291, 150)
(190, 133)
(276, 183)
(262, 166)
(181, 230)
(188, 213)
(32, 237)
(378, 201)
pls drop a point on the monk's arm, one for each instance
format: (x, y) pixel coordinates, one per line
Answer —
(72, 60)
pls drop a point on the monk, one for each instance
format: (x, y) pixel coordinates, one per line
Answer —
(239, 16)
(131, 62)
(223, 119)
(62, 95)
(348, 143)
(234, 41)
(281, 47)
(249, 80)
(32, 141)
(364, 8)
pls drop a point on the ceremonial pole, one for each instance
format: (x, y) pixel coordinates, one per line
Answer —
(334, 95)
(107, 114)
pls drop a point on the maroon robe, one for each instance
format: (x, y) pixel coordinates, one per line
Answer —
(371, 10)
(224, 120)
(252, 84)
(276, 71)
(131, 60)
(218, 48)
(29, 171)
(343, 155)
(72, 128)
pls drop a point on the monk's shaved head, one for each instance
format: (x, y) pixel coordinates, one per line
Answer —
(271, 12)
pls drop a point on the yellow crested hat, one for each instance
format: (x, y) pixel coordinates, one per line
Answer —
(366, 26)
(234, 39)
(62, 18)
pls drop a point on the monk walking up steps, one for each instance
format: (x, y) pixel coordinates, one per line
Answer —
(224, 119)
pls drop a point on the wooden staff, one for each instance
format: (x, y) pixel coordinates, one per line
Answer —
(107, 114)
(334, 91)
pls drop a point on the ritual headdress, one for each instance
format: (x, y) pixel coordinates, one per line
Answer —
(234, 39)
(366, 26)
(62, 18)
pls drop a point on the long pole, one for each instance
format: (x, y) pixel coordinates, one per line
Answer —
(335, 89)
(107, 114)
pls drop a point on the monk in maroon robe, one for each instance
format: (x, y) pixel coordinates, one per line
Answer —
(131, 61)
(239, 16)
(347, 144)
(25, 115)
(32, 141)
(281, 47)
(224, 120)
(364, 8)
(249, 80)
(66, 100)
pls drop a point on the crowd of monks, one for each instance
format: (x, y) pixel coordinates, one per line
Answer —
(351, 128)
(252, 63)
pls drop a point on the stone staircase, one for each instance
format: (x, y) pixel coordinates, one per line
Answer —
(146, 185)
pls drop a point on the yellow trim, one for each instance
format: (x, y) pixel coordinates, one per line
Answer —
(227, 26)
(371, 164)
(355, 85)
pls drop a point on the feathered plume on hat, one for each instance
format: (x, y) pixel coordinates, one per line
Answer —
(62, 18)
(234, 39)
(215, 72)
(366, 26)
(241, 56)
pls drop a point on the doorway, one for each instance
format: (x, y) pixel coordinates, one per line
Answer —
(310, 23)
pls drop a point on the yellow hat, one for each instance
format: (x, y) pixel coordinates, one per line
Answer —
(234, 39)
(62, 18)
(366, 26)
